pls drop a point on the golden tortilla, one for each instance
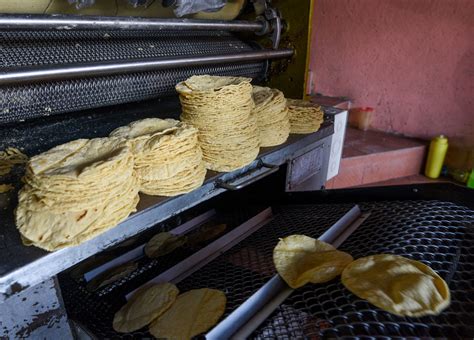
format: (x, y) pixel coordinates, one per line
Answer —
(144, 307)
(300, 259)
(193, 313)
(163, 243)
(397, 284)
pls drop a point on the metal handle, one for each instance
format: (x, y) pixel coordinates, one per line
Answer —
(271, 169)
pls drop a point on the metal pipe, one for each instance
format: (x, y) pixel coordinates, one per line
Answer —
(74, 22)
(331, 235)
(60, 72)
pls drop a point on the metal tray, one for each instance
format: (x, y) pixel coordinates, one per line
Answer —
(437, 232)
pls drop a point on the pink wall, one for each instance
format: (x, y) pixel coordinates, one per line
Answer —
(413, 60)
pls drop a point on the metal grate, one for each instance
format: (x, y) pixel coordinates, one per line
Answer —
(96, 309)
(63, 47)
(19, 49)
(434, 232)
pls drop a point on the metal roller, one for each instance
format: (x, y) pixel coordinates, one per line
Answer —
(74, 22)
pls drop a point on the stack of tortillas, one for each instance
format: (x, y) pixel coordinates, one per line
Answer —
(305, 117)
(220, 107)
(168, 159)
(75, 191)
(271, 115)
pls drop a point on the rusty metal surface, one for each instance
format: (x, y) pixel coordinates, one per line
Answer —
(303, 170)
(35, 313)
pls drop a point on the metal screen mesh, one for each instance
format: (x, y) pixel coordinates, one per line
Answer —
(63, 47)
(436, 233)
(20, 49)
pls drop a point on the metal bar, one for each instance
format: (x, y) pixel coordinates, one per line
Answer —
(342, 224)
(137, 252)
(348, 231)
(82, 70)
(193, 223)
(240, 316)
(133, 254)
(202, 257)
(263, 302)
(257, 319)
(263, 173)
(74, 22)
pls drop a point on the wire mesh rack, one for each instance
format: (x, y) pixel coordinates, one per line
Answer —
(440, 234)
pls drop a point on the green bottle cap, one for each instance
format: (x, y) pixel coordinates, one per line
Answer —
(441, 139)
(470, 181)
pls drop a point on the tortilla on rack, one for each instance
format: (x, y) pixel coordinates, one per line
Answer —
(397, 284)
(193, 313)
(300, 259)
(145, 306)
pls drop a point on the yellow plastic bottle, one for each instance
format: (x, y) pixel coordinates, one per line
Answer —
(436, 155)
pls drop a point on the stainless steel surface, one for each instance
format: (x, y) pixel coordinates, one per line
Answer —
(73, 71)
(246, 330)
(240, 316)
(74, 22)
(337, 142)
(35, 313)
(343, 224)
(303, 167)
(205, 255)
(26, 267)
(263, 302)
(308, 171)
